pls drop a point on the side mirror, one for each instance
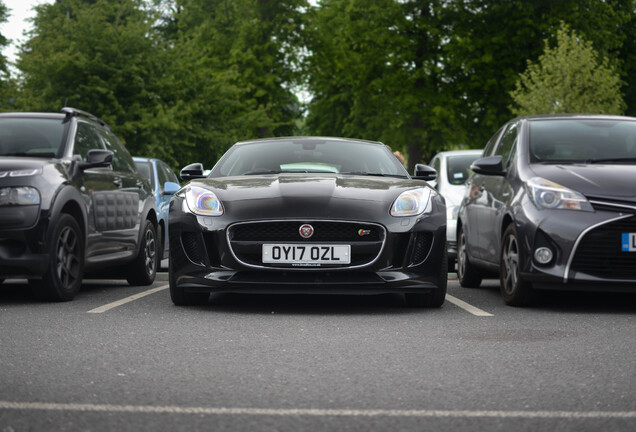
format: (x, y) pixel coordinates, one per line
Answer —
(169, 188)
(491, 165)
(192, 171)
(97, 159)
(424, 172)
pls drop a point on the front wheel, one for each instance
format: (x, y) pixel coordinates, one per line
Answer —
(468, 275)
(143, 270)
(63, 277)
(434, 298)
(514, 290)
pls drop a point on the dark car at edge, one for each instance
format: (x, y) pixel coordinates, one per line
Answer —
(71, 202)
(552, 205)
(308, 215)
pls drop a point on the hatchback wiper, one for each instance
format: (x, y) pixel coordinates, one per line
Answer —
(596, 161)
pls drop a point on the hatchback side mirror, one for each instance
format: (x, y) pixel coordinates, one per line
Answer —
(169, 188)
(424, 172)
(491, 165)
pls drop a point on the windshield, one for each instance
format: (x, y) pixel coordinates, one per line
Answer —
(32, 137)
(582, 141)
(309, 156)
(458, 168)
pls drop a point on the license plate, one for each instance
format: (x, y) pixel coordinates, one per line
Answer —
(629, 242)
(306, 255)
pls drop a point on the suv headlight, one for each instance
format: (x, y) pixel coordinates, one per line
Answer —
(549, 195)
(203, 201)
(21, 195)
(412, 202)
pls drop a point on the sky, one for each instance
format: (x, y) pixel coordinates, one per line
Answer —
(18, 11)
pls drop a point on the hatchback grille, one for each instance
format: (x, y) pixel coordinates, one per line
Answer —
(599, 252)
(366, 240)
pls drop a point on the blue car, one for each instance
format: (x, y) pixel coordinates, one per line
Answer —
(164, 183)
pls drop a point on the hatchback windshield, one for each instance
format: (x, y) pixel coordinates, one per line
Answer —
(33, 137)
(582, 141)
(309, 156)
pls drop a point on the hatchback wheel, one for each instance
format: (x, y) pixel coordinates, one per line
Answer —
(63, 278)
(515, 291)
(468, 275)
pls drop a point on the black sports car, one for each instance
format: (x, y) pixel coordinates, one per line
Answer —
(308, 215)
(552, 205)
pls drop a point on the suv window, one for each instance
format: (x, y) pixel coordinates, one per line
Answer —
(86, 139)
(122, 160)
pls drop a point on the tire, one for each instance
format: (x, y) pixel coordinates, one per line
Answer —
(63, 277)
(468, 275)
(514, 290)
(179, 296)
(143, 270)
(434, 298)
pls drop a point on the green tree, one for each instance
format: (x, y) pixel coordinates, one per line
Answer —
(568, 78)
(375, 71)
(99, 56)
(7, 83)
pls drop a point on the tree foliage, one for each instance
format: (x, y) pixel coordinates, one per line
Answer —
(568, 78)
(184, 79)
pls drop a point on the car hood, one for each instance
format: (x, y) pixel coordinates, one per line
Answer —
(21, 163)
(602, 180)
(308, 195)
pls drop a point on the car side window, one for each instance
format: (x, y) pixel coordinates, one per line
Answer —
(490, 147)
(170, 174)
(435, 164)
(507, 143)
(122, 160)
(86, 138)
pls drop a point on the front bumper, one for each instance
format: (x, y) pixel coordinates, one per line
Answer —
(586, 247)
(202, 261)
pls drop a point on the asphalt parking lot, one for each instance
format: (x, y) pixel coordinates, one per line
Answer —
(124, 357)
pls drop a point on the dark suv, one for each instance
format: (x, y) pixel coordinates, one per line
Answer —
(71, 201)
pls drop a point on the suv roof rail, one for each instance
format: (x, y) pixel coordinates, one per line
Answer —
(74, 112)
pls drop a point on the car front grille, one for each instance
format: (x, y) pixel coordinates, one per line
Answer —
(613, 206)
(366, 240)
(600, 254)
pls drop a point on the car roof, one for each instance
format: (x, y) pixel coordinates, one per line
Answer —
(459, 152)
(308, 138)
(575, 116)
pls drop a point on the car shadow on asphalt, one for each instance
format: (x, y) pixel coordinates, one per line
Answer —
(307, 304)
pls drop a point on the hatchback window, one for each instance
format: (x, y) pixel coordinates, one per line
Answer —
(31, 137)
(507, 143)
(458, 168)
(86, 139)
(582, 141)
(122, 161)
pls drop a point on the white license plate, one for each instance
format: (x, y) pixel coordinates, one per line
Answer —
(306, 254)
(628, 243)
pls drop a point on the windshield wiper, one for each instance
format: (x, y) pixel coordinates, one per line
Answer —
(596, 161)
(263, 171)
(360, 173)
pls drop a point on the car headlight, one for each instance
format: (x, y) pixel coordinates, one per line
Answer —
(549, 195)
(203, 201)
(412, 202)
(22, 195)
(21, 173)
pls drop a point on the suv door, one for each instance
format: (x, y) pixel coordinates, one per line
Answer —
(122, 223)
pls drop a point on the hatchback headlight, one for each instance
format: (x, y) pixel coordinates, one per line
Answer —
(203, 201)
(412, 202)
(549, 195)
(22, 195)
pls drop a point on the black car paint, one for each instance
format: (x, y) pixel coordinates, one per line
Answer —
(68, 185)
(497, 197)
(306, 198)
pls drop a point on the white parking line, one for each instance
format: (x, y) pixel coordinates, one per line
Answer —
(112, 305)
(467, 307)
(315, 412)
